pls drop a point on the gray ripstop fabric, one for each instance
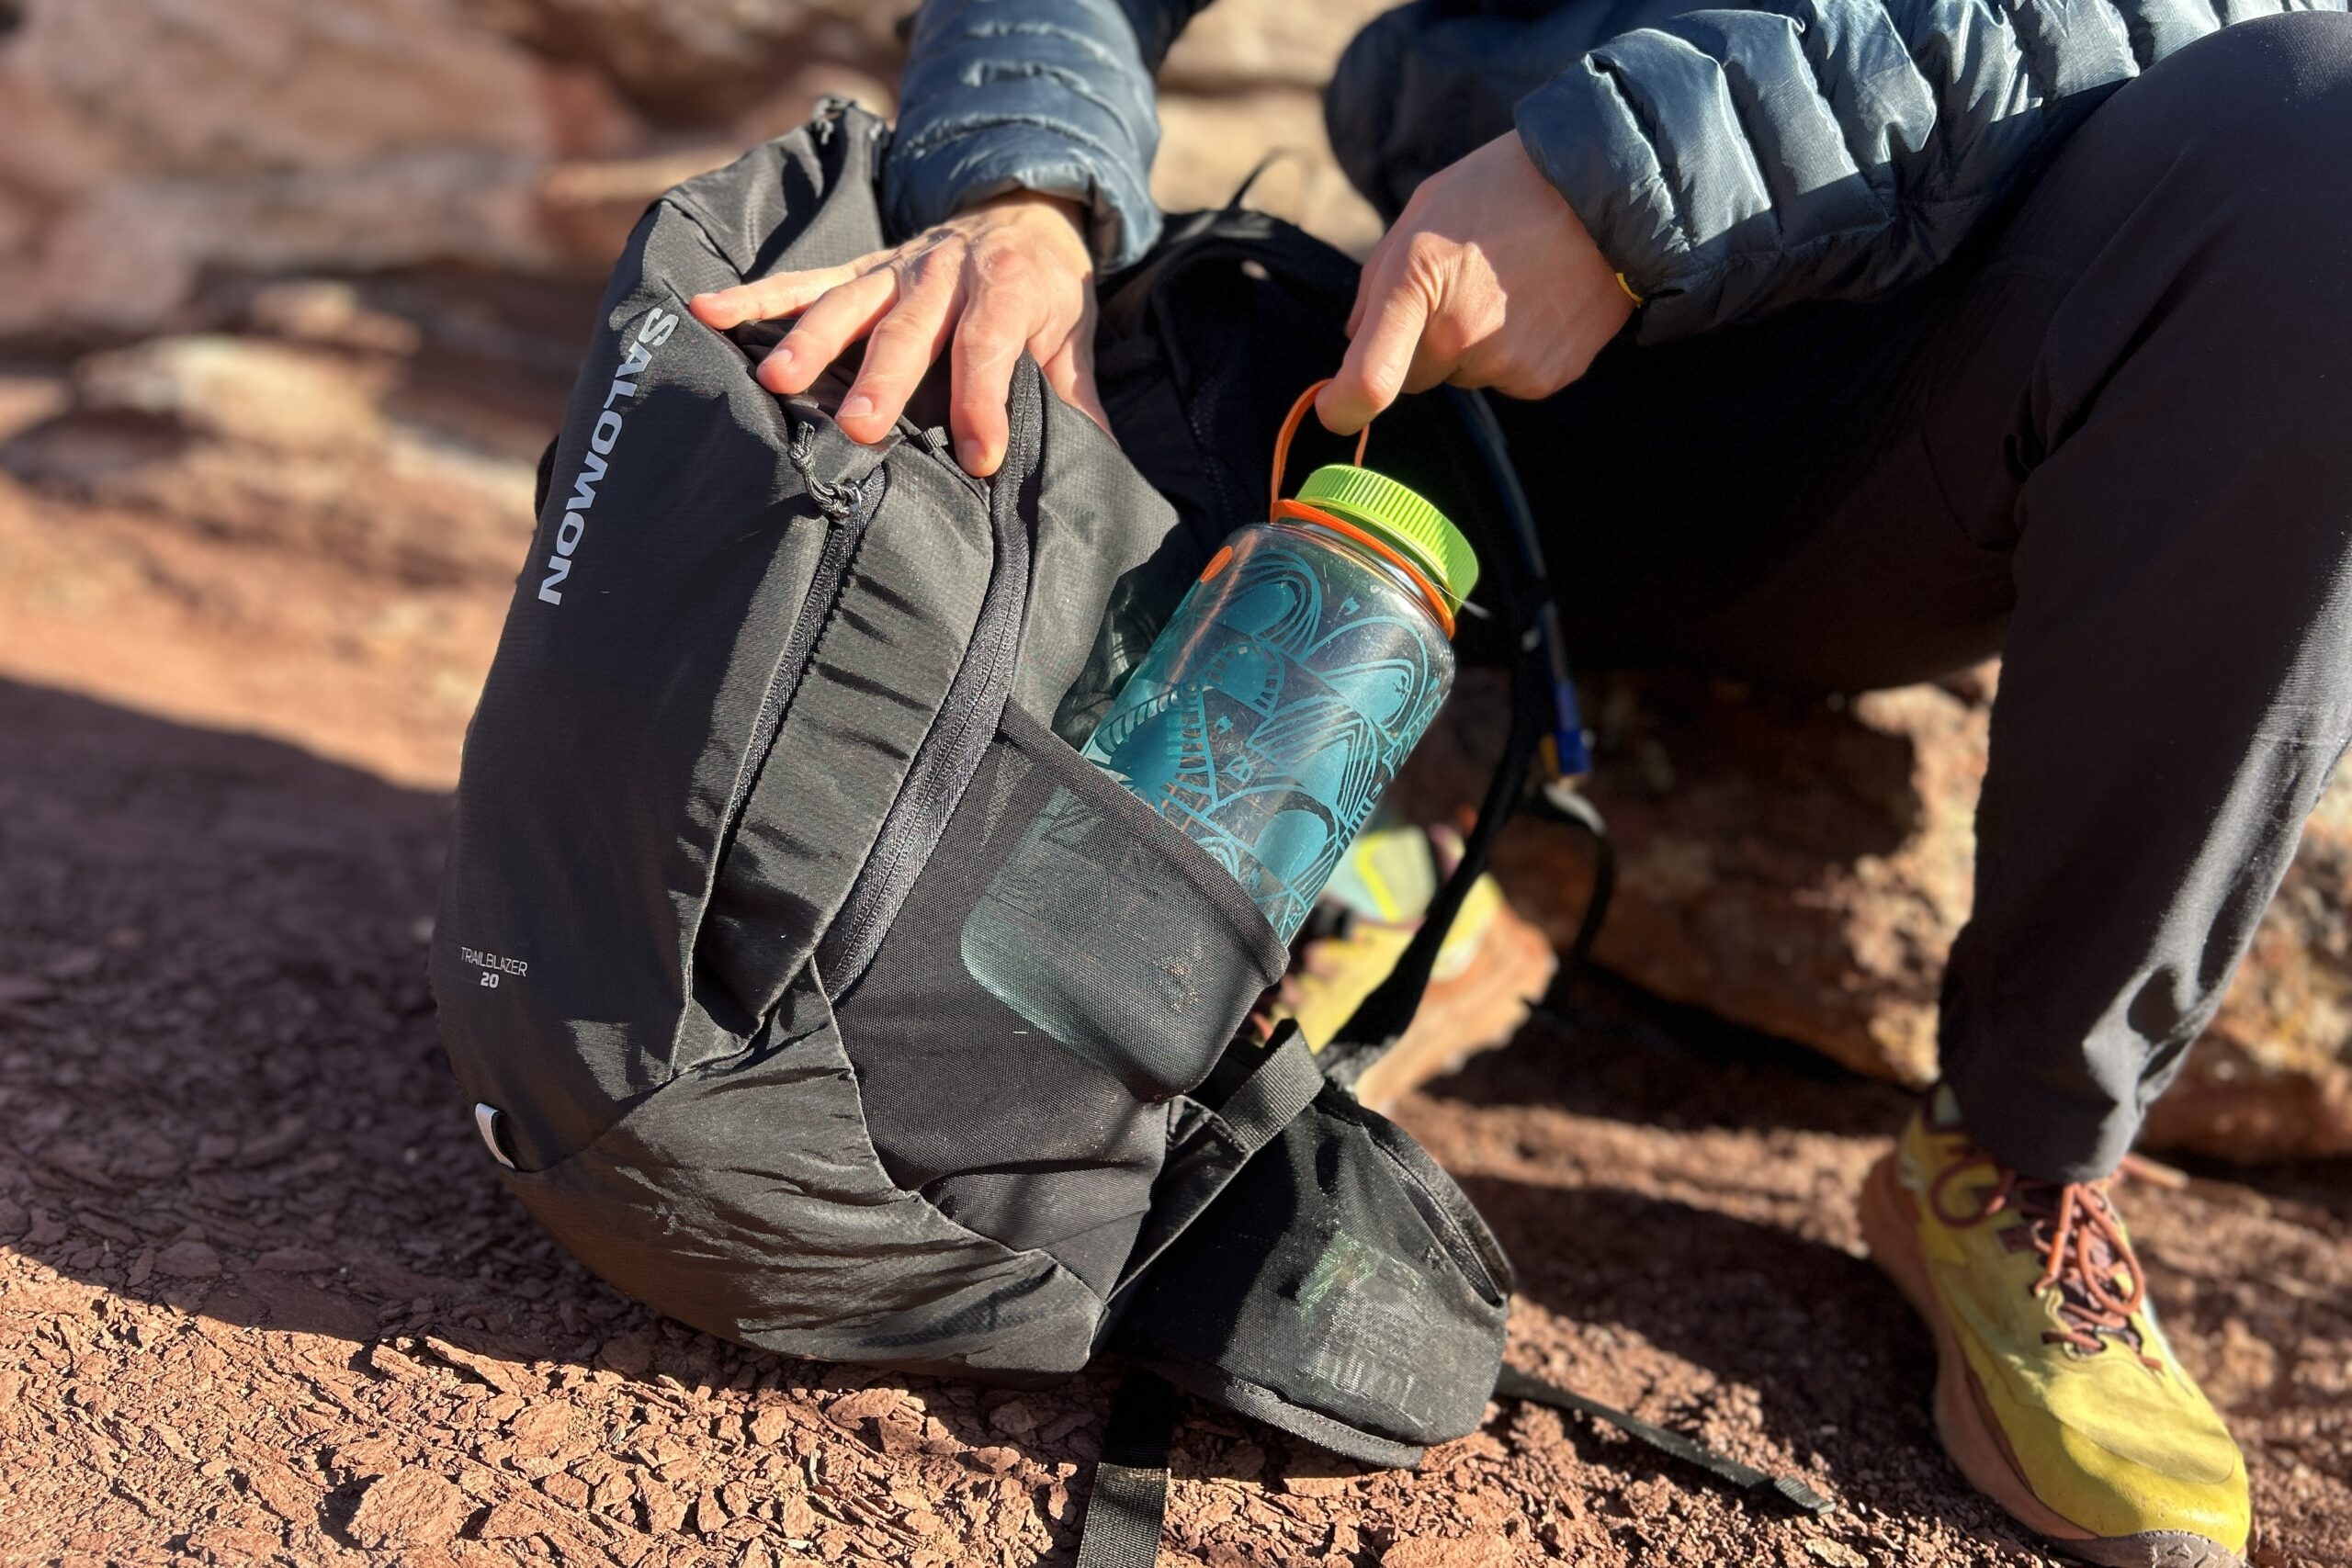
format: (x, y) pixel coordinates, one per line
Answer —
(695, 729)
(746, 1200)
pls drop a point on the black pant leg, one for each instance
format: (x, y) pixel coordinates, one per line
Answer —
(1759, 500)
(2114, 444)
(2174, 483)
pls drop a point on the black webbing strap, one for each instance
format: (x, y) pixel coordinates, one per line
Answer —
(1128, 1507)
(1382, 1016)
(1129, 1503)
(1562, 803)
(1286, 1083)
(1283, 1081)
(1516, 1384)
(1526, 592)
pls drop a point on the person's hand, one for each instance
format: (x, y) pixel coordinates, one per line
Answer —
(1011, 274)
(1486, 279)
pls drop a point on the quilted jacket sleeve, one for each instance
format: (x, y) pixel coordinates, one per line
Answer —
(1730, 160)
(1051, 95)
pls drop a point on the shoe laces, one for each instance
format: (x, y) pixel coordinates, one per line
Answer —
(2074, 1227)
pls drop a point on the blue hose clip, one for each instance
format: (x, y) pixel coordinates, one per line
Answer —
(1567, 748)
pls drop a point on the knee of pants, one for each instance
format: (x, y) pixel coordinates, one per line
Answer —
(2219, 184)
(2262, 113)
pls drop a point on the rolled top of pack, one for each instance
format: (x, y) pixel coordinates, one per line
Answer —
(1400, 518)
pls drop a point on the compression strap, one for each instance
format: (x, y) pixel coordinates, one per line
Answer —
(1516, 1384)
(1128, 1507)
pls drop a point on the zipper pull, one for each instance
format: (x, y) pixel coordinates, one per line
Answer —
(837, 502)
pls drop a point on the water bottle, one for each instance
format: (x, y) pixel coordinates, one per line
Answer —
(1294, 678)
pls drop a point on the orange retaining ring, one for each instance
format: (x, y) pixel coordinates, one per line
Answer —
(1300, 511)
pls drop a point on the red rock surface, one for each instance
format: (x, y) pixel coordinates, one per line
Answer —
(1800, 864)
(151, 146)
(260, 1299)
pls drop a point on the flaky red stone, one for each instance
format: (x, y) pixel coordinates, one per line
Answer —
(1800, 865)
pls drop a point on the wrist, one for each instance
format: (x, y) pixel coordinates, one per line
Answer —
(1544, 122)
(1037, 204)
(1585, 255)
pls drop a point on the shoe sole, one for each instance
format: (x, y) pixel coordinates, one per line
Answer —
(1890, 1219)
(1477, 1011)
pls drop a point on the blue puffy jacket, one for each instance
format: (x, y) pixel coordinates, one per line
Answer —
(1726, 161)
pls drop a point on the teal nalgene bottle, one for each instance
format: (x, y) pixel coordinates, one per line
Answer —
(1298, 674)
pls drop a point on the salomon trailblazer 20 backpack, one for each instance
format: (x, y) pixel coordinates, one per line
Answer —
(772, 787)
(765, 769)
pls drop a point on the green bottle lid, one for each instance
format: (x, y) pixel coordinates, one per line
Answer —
(1399, 518)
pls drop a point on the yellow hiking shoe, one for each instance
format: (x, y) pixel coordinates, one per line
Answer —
(2055, 1391)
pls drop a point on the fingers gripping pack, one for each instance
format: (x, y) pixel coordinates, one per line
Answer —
(776, 756)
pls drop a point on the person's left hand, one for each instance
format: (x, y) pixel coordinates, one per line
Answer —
(1486, 279)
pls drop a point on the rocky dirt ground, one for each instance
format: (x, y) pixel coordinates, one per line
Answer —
(260, 1300)
(264, 461)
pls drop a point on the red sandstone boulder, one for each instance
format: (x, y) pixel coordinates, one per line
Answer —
(1800, 864)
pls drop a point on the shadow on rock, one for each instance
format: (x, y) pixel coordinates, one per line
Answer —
(1604, 1048)
(1728, 1330)
(1814, 1335)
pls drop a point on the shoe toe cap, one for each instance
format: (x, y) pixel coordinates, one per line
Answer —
(2187, 1483)
(2159, 1548)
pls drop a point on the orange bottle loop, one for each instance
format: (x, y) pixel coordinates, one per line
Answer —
(1290, 428)
(1441, 603)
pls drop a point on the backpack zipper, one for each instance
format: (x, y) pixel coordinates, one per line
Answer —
(943, 764)
(843, 534)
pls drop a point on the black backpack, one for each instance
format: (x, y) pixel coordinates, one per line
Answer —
(773, 784)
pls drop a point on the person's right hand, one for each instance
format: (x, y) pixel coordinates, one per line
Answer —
(1009, 274)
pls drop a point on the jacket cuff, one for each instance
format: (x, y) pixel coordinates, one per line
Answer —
(1583, 137)
(946, 166)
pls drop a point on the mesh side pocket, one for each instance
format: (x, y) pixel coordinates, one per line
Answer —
(1115, 934)
(1066, 962)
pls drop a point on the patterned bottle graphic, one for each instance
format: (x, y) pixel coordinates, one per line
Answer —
(1293, 682)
